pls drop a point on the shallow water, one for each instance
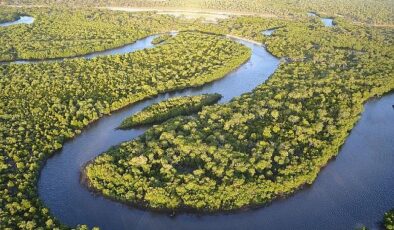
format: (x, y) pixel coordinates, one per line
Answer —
(328, 22)
(21, 20)
(354, 189)
(268, 32)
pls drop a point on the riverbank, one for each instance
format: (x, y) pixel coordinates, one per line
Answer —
(281, 197)
(91, 54)
(63, 174)
(114, 49)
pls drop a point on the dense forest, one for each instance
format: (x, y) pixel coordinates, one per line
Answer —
(260, 146)
(367, 11)
(266, 143)
(50, 36)
(44, 104)
(170, 108)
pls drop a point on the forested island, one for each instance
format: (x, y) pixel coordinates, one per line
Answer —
(170, 108)
(261, 146)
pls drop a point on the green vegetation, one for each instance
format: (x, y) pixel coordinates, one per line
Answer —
(170, 108)
(389, 220)
(44, 104)
(161, 38)
(260, 146)
(8, 15)
(368, 11)
(266, 143)
(84, 31)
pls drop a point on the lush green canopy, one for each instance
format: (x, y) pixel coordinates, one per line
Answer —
(170, 108)
(369, 11)
(262, 145)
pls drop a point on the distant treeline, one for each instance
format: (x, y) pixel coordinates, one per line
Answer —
(368, 11)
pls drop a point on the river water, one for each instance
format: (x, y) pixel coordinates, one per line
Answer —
(328, 22)
(354, 189)
(21, 20)
(138, 45)
(268, 32)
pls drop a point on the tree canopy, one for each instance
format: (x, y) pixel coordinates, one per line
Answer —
(260, 146)
(170, 108)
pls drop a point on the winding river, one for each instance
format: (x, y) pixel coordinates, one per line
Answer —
(138, 45)
(354, 189)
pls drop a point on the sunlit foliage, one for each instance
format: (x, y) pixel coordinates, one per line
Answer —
(42, 105)
(368, 11)
(265, 144)
(170, 108)
(260, 146)
(389, 220)
(84, 31)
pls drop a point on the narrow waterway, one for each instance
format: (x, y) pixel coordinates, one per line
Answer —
(354, 189)
(129, 48)
(21, 20)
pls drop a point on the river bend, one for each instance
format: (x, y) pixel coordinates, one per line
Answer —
(354, 189)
